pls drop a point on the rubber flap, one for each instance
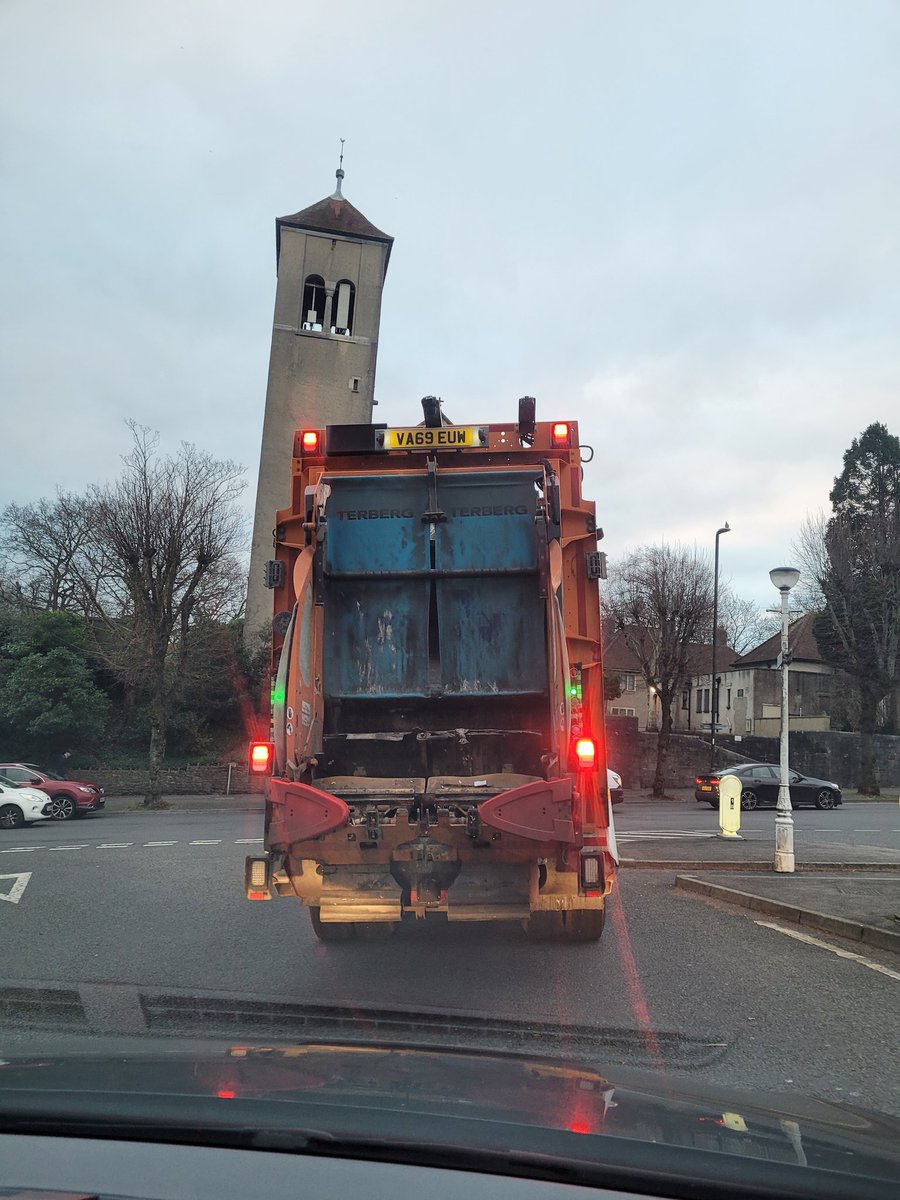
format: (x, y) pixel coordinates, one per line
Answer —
(300, 812)
(539, 811)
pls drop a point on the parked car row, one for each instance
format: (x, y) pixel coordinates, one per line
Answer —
(759, 787)
(29, 793)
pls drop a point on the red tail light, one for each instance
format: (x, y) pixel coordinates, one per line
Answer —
(262, 758)
(586, 753)
(560, 434)
(309, 441)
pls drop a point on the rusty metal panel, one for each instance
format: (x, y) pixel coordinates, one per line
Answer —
(376, 640)
(492, 637)
(375, 524)
(489, 521)
(491, 628)
(376, 630)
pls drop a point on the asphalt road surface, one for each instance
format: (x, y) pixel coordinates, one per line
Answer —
(156, 900)
(861, 823)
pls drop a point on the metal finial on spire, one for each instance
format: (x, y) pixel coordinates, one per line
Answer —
(339, 173)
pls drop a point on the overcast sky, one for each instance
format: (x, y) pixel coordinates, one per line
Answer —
(675, 220)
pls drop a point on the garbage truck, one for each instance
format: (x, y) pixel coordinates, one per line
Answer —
(437, 749)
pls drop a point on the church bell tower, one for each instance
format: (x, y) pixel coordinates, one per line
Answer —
(331, 265)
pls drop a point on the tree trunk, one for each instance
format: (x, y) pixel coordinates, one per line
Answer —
(158, 715)
(662, 746)
(868, 780)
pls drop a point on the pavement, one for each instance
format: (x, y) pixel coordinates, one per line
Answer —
(848, 891)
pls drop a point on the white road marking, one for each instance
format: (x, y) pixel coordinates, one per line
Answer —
(114, 845)
(14, 895)
(21, 850)
(160, 843)
(212, 842)
(83, 846)
(247, 841)
(811, 941)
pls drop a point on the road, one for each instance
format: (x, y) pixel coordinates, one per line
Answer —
(156, 900)
(863, 823)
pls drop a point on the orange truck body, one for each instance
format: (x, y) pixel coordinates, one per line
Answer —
(437, 719)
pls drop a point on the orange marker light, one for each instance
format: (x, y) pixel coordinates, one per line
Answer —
(560, 434)
(261, 755)
(225, 1094)
(309, 440)
(586, 753)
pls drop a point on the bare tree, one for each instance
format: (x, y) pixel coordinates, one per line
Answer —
(660, 598)
(45, 545)
(744, 623)
(169, 530)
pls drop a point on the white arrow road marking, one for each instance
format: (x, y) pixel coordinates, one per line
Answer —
(14, 895)
(811, 941)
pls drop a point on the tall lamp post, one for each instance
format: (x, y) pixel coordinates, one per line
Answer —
(726, 528)
(784, 579)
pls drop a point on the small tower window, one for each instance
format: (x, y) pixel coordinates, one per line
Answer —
(344, 301)
(313, 311)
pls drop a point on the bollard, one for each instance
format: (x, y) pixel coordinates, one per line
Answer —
(730, 788)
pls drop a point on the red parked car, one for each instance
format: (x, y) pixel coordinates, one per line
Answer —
(68, 797)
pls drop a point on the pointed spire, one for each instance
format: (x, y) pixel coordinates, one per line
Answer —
(339, 174)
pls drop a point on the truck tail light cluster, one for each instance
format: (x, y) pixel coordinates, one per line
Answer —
(256, 878)
(591, 875)
(560, 435)
(586, 753)
(262, 758)
(309, 441)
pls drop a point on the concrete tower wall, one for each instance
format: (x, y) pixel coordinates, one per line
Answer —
(316, 377)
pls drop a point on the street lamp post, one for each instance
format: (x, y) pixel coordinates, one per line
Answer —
(784, 579)
(726, 528)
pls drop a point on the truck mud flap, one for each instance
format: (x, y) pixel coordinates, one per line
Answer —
(541, 811)
(300, 812)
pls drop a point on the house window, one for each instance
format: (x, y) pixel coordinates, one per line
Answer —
(740, 693)
(344, 303)
(728, 697)
(685, 700)
(628, 683)
(313, 310)
(699, 700)
(706, 699)
(621, 712)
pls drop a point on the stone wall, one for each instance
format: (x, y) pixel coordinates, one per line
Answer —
(824, 753)
(827, 754)
(184, 781)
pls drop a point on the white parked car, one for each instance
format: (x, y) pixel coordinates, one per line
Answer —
(614, 783)
(19, 805)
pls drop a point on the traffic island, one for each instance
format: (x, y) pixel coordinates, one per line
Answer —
(868, 898)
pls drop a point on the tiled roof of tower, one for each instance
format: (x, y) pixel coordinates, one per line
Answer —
(334, 214)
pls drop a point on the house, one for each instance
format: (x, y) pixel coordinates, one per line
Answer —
(750, 695)
(691, 709)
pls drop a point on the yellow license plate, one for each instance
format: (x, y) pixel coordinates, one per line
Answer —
(705, 787)
(448, 437)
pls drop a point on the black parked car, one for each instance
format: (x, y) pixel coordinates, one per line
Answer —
(760, 787)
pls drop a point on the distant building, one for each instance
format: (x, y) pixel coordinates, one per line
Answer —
(331, 264)
(752, 686)
(692, 707)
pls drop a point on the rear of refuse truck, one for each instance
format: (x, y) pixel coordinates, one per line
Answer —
(437, 742)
